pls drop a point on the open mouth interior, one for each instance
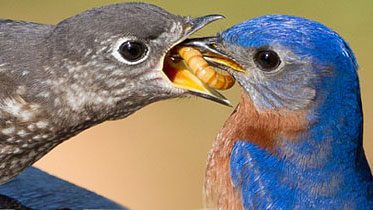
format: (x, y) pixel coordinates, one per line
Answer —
(189, 69)
(193, 72)
(180, 75)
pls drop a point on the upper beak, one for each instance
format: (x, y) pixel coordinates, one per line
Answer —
(178, 73)
(195, 24)
(216, 57)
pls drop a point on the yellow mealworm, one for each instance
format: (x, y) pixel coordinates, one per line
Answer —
(199, 66)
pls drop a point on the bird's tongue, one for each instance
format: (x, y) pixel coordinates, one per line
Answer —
(180, 76)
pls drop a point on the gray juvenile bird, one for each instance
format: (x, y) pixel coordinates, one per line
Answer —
(102, 64)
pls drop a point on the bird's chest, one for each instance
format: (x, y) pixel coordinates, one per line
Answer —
(259, 129)
(219, 191)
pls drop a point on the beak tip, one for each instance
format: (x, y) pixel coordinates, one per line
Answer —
(224, 102)
(213, 17)
(216, 16)
(228, 103)
(212, 95)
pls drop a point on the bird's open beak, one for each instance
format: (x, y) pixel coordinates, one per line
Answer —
(179, 74)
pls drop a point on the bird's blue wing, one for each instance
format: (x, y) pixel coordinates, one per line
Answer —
(35, 189)
(265, 182)
(255, 172)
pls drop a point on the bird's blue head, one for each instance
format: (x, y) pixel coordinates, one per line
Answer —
(299, 76)
(292, 63)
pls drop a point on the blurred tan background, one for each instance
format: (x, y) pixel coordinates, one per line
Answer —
(155, 159)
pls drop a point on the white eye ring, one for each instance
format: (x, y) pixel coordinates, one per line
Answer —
(120, 58)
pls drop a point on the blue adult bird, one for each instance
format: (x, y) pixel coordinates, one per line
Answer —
(295, 139)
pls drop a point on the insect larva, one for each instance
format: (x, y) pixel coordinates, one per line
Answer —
(199, 66)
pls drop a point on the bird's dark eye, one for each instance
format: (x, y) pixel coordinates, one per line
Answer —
(133, 51)
(267, 60)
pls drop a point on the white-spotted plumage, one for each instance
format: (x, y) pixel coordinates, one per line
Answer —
(56, 81)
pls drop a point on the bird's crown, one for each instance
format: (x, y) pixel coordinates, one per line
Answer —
(302, 36)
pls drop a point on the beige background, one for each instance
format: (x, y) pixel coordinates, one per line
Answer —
(155, 159)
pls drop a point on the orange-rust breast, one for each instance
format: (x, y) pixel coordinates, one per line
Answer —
(246, 123)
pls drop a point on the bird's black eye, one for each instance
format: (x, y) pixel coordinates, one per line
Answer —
(133, 51)
(267, 60)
